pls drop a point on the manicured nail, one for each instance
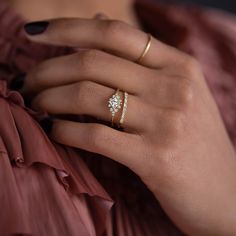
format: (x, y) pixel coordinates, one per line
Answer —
(27, 101)
(47, 125)
(18, 82)
(37, 27)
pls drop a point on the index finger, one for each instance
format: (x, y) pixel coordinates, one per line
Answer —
(113, 36)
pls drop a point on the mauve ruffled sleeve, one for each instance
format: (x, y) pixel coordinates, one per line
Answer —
(42, 180)
(47, 189)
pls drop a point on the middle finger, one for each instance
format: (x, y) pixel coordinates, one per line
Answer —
(93, 65)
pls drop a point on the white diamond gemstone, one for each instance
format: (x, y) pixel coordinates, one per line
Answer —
(114, 103)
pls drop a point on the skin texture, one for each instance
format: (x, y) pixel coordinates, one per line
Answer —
(180, 147)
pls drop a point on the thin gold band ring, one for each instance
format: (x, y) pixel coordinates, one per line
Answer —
(124, 109)
(146, 49)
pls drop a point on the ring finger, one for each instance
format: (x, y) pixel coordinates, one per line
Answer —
(90, 98)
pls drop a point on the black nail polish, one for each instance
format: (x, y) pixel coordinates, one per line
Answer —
(17, 82)
(27, 101)
(36, 27)
(47, 125)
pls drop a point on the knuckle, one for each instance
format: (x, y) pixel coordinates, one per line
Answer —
(191, 66)
(113, 28)
(185, 93)
(81, 93)
(88, 59)
(178, 92)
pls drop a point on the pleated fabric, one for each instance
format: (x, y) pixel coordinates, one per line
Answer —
(52, 189)
(46, 188)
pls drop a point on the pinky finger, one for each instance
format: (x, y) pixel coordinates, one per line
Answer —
(97, 138)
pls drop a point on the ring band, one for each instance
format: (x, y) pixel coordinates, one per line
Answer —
(125, 104)
(114, 104)
(146, 49)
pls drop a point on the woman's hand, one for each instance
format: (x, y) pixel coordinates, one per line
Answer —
(173, 137)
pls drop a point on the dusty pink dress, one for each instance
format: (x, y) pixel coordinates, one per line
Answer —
(48, 189)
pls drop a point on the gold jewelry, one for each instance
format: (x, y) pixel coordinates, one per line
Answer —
(114, 104)
(125, 104)
(146, 49)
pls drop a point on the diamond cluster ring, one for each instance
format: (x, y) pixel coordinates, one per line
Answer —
(115, 103)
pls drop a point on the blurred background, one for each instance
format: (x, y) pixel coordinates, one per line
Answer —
(229, 5)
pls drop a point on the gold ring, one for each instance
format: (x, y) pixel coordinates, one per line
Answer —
(146, 49)
(114, 105)
(124, 109)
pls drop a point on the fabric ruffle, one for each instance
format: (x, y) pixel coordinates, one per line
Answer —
(56, 181)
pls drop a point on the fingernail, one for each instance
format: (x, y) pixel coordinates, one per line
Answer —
(17, 82)
(27, 101)
(37, 27)
(47, 125)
